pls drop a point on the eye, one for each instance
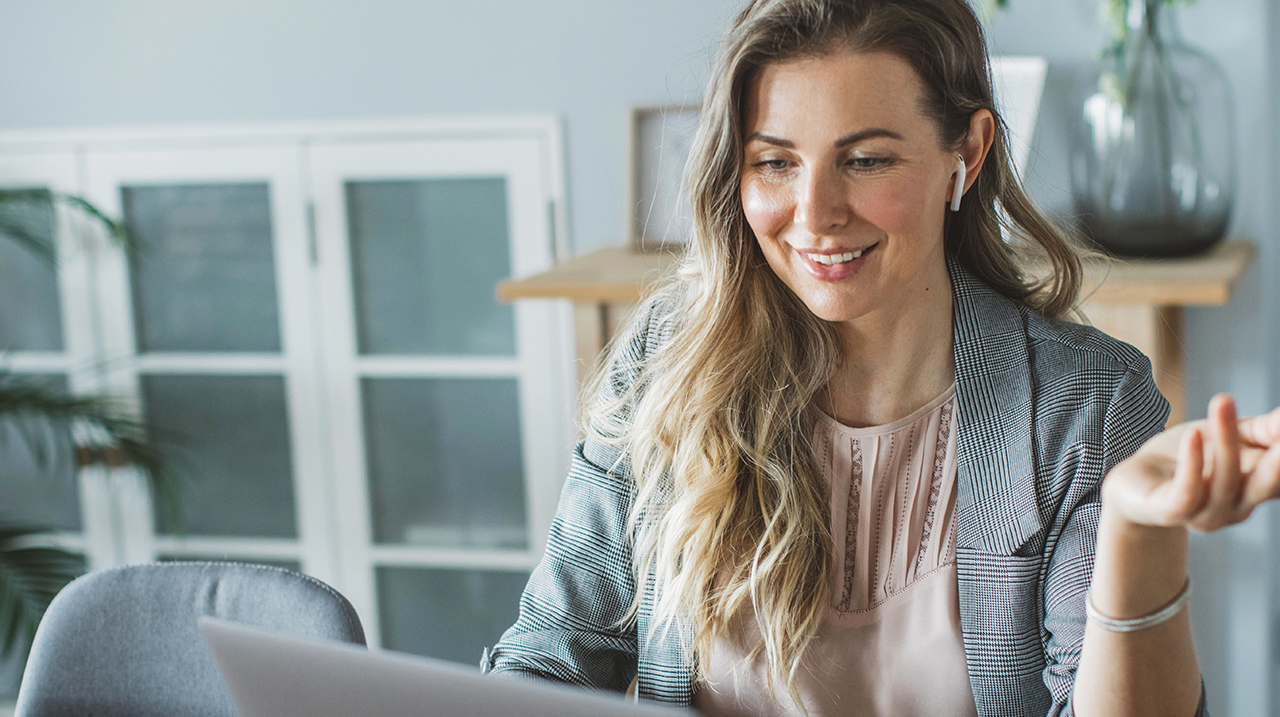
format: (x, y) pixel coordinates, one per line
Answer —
(773, 165)
(867, 163)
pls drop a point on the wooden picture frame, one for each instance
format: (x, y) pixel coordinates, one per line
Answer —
(658, 212)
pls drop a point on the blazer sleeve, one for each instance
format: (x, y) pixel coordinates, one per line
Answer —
(1136, 412)
(572, 625)
(574, 621)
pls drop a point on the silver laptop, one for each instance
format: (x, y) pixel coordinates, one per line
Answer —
(273, 675)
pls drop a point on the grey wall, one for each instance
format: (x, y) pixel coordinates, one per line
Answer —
(89, 62)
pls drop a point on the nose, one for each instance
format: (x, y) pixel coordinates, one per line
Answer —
(821, 204)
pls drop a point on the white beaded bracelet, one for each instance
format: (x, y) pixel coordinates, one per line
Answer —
(1138, 623)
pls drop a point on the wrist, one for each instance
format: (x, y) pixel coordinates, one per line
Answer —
(1126, 505)
(1138, 568)
(1120, 527)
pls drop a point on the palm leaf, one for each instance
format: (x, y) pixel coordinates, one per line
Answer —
(47, 421)
(26, 217)
(40, 245)
(117, 229)
(30, 576)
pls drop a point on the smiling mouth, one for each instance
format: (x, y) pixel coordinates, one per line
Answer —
(833, 259)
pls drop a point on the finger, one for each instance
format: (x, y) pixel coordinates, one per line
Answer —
(1226, 483)
(1263, 483)
(1262, 431)
(1188, 489)
(1249, 458)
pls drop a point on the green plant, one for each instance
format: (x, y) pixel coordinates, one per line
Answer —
(1114, 14)
(30, 575)
(18, 208)
(55, 427)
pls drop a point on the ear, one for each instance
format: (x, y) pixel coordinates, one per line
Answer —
(977, 144)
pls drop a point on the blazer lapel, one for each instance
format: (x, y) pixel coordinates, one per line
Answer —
(996, 474)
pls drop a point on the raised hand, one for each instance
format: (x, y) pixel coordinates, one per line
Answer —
(1201, 474)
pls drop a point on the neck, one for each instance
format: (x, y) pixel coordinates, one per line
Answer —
(897, 358)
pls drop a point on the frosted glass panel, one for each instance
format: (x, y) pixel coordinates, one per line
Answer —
(30, 493)
(426, 256)
(30, 318)
(447, 614)
(444, 462)
(232, 433)
(205, 278)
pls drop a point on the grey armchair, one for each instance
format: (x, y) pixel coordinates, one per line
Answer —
(125, 641)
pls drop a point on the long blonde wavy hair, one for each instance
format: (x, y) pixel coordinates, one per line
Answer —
(731, 515)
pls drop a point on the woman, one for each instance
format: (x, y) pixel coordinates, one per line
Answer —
(849, 461)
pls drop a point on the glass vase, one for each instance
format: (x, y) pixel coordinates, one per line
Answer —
(1153, 167)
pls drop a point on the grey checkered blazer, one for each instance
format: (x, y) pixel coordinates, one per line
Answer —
(1045, 408)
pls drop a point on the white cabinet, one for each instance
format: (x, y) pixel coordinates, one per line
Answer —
(312, 320)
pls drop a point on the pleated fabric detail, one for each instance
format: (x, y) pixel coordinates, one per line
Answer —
(893, 493)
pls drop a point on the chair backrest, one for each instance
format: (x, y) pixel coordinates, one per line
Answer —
(125, 641)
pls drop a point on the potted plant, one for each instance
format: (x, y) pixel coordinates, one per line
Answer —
(57, 427)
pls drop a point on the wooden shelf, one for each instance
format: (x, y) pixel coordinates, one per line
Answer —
(619, 275)
(1138, 301)
(615, 274)
(1205, 280)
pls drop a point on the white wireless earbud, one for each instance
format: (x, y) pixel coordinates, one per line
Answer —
(959, 190)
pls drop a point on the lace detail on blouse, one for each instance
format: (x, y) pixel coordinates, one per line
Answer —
(889, 484)
(935, 489)
(851, 524)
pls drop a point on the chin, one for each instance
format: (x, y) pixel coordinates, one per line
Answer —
(825, 301)
(835, 311)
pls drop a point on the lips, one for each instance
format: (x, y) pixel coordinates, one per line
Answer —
(832, 259)
(833, 265)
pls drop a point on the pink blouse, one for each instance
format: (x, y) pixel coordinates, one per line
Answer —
(890, 644)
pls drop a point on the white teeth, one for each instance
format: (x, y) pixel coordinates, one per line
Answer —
(830, 259)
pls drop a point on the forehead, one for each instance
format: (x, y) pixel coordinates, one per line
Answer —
(841, 91)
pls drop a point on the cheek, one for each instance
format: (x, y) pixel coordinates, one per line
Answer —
(894, 209)
(767, 209)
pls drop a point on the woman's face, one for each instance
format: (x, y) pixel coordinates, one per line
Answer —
(845, 185)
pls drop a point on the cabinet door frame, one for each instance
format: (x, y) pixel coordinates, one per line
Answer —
(334, 540)
(108, 171)
(541, 332)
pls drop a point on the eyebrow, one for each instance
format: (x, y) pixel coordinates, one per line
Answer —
(846, 140)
